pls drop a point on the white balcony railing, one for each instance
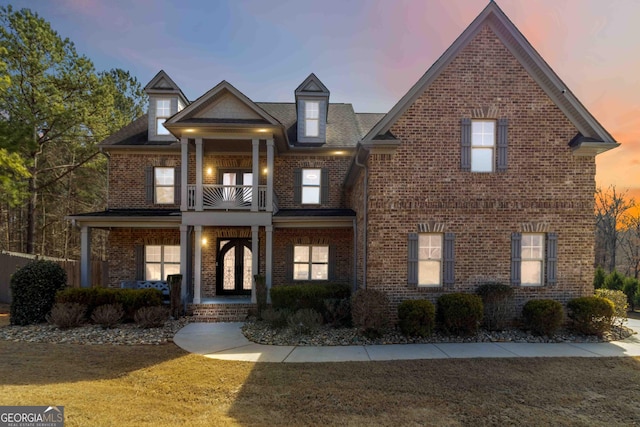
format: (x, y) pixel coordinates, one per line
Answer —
(232, 197)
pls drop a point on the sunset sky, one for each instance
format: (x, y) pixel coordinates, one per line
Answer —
(367, 52)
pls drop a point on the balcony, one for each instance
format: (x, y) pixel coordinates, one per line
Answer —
(229, 197)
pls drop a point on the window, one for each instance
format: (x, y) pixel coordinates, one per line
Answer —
(429, 259)
(311, 186)
(483, 139)
(161, 261)
(164, 182)
(311, 118)
(163, 111)
(310, 262)
(532, 254)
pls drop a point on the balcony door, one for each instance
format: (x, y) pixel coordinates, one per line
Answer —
(237, 187)
(233, 272)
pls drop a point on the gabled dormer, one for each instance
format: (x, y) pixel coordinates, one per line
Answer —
(312, 107)
(165, 100)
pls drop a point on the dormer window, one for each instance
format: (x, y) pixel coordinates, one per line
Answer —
(312, 118)
(163, 112)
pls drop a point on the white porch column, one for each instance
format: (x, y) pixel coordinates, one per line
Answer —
(197, 270)
(270, 172)
(85, 257)
(255, 163)
(198, 175)
(255, 250)
(184, 174)
(184, 253)
(269, 258)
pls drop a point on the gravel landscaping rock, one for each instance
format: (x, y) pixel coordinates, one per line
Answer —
(125, 334)
(260, 332)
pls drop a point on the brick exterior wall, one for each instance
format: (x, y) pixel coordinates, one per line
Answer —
(422, 181)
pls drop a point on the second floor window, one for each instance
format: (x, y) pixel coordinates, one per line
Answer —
(483, 140)
(311, 186)
(164, 185)
(163, 111)
(311, 118)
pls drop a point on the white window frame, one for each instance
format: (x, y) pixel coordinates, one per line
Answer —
(312, 117)
(527, 257)
(310, 263)
(157, 186)
(308, 197)
(430, 249)
(163, 112)
(483, 141)
(162, 262)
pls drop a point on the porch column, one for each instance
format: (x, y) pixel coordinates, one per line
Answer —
(255, 163)
(85, 257)
(184, 174)
(184, 259)
(270, 172)
(198, 175)
(255, 250)
(197, 273)
(269, 258)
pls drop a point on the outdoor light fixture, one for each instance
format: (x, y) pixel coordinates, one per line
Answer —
(209, 171)
(204, 241)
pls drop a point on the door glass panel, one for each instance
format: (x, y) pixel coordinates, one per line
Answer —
(229, 270)
(247, 279)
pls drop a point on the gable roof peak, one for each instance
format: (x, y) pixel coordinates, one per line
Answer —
(312, 86)
(161, 83)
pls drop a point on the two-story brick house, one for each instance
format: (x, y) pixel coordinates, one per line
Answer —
(484, 171)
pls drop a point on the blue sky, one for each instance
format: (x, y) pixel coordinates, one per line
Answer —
(367, 52)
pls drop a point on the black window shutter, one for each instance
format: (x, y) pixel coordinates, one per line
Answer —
(552, 258)
(177, 183)
(516, 258)
(288, 268)
(297, 186)
(412, 260)
(503, 125)
(148, 186)
(139, 259)
(449, 259)
(324, 186)
(465, 145)
(332, 262)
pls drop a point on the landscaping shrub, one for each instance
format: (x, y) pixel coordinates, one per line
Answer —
(107, 315)
(130, 299)
(33, 291)
(614, 281)
(631, 288)
(277, 319)
(67, 315)
(152, 316)
(337, 312)
(369, 310)
(305, 321)
(261, 293)
(542, 316)
(619, 300)
(598, 278)
(416, 318)
(591, 315)
(496, 299)
(460, 313)
(307, 295)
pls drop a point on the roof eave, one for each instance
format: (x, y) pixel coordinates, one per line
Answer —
(592, 148)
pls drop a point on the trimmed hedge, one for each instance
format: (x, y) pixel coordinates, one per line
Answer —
(33, 291)
(496, 298)
(130, 299)
(591, 315)
(460, 313)
(542, 316)
(311, 295)
(416, 317)
(369, 311)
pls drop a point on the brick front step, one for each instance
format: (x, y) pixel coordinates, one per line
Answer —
(211, 313)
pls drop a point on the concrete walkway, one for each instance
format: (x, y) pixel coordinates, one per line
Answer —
(225, 341)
